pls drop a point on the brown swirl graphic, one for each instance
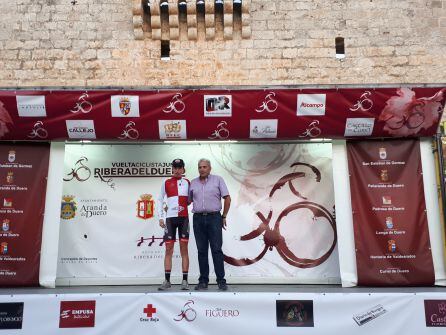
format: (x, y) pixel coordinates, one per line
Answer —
(273, 238)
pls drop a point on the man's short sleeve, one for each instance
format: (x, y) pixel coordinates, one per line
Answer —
(223, 188)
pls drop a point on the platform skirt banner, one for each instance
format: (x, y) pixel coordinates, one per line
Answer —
(359, 313)
(281, 225)
(389, 213)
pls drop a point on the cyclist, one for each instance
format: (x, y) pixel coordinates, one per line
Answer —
(175, 190)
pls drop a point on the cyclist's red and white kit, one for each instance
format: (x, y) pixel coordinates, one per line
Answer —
(177, 192)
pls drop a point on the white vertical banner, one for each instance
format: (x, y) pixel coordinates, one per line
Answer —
(280, 226)
(50, 231)
(346, 248)
(436, 230)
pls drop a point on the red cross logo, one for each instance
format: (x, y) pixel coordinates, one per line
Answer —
(149, 310)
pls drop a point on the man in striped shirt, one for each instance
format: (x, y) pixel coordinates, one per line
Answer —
(174, 193)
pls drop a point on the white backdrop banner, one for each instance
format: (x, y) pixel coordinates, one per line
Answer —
(223, 313)
(280, 226)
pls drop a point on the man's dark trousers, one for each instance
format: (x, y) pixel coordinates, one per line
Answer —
(208, 231)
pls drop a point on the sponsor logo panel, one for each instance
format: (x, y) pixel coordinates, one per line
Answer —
(359, 126)
(263, 128)
(125, 105)
(311, 104)
(294, 313)
(172, 129)
(11, 315)
(31, 105)
(435, 312)
(77, 314)
(81, 129)
(217, 105)
(150, 314)
(369, 315)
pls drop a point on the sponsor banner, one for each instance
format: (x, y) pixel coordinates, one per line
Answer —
(31, 105)
(125, 105)
(77, 314)
(294, 313)
(263, 129)
(359, 127)
(11, 315)
(109, 198)
(435, 311)
(217, 105)
(311, 104)
(389, 222)
(81, 129)
(23, 175)
(172, 129)
(340, 113)
(304, 313)
(368, 315)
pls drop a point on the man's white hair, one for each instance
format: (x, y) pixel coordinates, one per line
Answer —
(204, 160)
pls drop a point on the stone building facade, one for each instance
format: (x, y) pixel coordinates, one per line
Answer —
(291, 42)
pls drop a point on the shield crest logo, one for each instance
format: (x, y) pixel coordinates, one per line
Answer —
(5, 225)
(384, 175)
(145, 207)
(382, 153)
(68, 208)
(125, 105)
(10, 177)
(11, 156)
(389, 222)
(391, 244)
(4, 247)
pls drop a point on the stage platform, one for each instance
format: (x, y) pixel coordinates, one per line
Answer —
(243, 309)
(234, 288)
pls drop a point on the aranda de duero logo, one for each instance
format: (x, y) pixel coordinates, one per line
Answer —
(294, 313)
(68, 208)
(11, 315)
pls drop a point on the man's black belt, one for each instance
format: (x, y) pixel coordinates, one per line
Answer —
(207, 213)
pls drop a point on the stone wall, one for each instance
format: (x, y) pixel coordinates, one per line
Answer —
(92, 43)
